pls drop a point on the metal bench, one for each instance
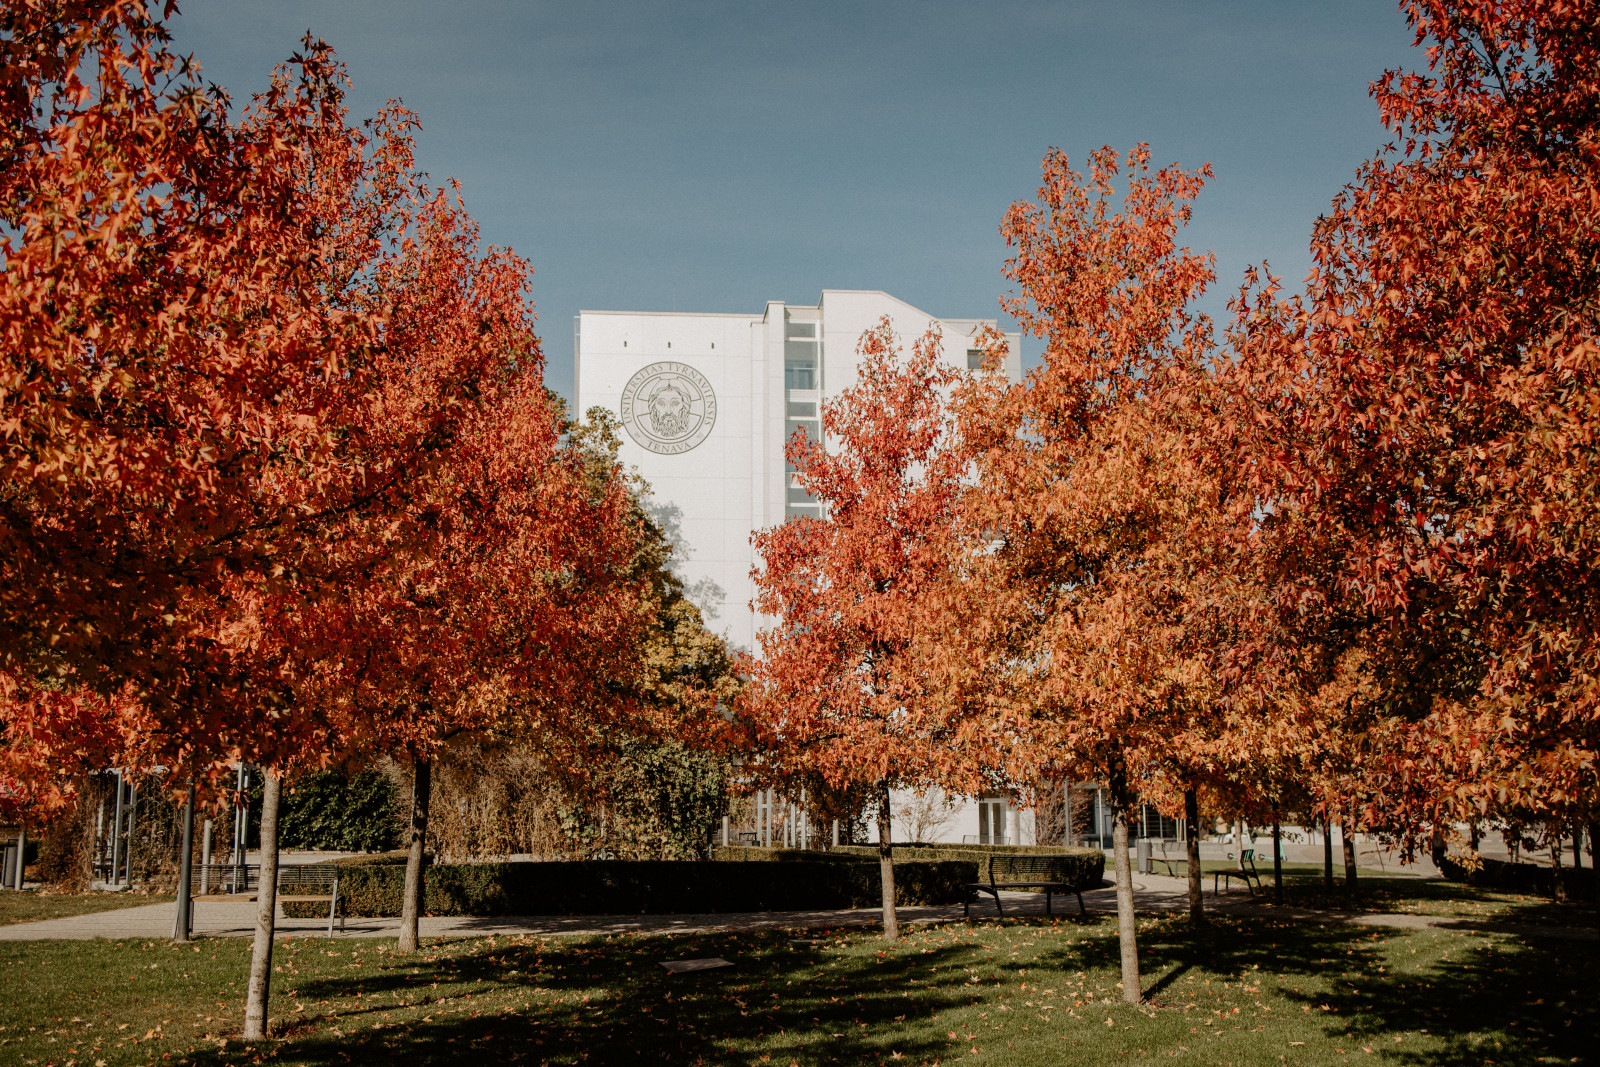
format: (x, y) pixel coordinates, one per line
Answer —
(1047, 873)
(1245, 870)
(312, 877)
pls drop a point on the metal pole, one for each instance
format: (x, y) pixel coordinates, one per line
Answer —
(99, 837)
(205, 859)
(133, 822)
(113, 876)
(240, 814)
(182, 922)
(1277, 858)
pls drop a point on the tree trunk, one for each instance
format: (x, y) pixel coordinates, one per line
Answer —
(1327, 849)
(255, 1002)
(411, 901)
(1277, 858)
(1557, 890)
(1127, 933)
(1349, 836)
(22, 855)
(182, 923)
(891, 922)
(1594, 864)
(1191, 834)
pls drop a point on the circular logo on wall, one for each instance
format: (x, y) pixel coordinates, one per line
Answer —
(668, 408)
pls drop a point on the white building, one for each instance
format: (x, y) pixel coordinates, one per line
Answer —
(707, 403)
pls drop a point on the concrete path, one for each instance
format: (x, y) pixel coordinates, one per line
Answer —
(1153, 893)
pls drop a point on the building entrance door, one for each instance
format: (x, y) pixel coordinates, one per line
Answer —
(992, 822)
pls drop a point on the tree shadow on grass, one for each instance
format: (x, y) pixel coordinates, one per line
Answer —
(523, 1002)
(1506, 999)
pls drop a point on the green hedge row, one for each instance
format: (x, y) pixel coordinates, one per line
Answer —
(760, 854)
(1086, 867)
(1575, 884)
(639, 887)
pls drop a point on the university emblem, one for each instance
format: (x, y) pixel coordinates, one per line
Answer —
(668, 408)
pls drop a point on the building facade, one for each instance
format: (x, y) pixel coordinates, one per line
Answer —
(707, 403)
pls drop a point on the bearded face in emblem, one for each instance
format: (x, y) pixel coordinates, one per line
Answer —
(669, 411)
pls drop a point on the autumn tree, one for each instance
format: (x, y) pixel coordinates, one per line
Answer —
(279, 480)
(1083, 642)
(1428, 417)
(836, 690)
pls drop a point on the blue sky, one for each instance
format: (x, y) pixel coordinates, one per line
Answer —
(701, 156)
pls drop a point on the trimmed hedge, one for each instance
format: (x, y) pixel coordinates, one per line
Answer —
(1085, 866)
(642, 887)
(1576, 884)
(759, 854)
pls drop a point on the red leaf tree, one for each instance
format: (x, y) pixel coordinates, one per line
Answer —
(1086, 591)
(1428, 413)
(837, 691)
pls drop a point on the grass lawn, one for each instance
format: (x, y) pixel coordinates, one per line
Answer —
(1416, 896)
(31, 904)
(1249, 990)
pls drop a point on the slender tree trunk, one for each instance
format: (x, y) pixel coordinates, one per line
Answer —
(1327, 848)
(411, 902)
(891, 921)
(1348, 834)
(1594, 857)
(182, 923)
(1594, 865)
(22, 855)
(1191, 835)
(1557, 892)
(1277, 858)
(1127, 933)
(255, 1002)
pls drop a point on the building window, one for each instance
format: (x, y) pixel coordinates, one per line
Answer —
(799, 372)
(798, 510)
(799, 329)
(974, 359)
(799, 410)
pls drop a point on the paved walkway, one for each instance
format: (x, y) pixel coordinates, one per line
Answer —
(1153, 893)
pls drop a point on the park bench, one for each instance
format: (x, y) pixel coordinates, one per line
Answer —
(1047, 873)
(300, 881)
(1169, 862)
(1245, 870)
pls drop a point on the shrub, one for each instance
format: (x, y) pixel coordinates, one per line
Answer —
(327, 810)
(760, 854)
(1086, 867)
(1576, 884)
(641, 887)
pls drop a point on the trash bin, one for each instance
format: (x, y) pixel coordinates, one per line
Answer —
(1143, 851)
